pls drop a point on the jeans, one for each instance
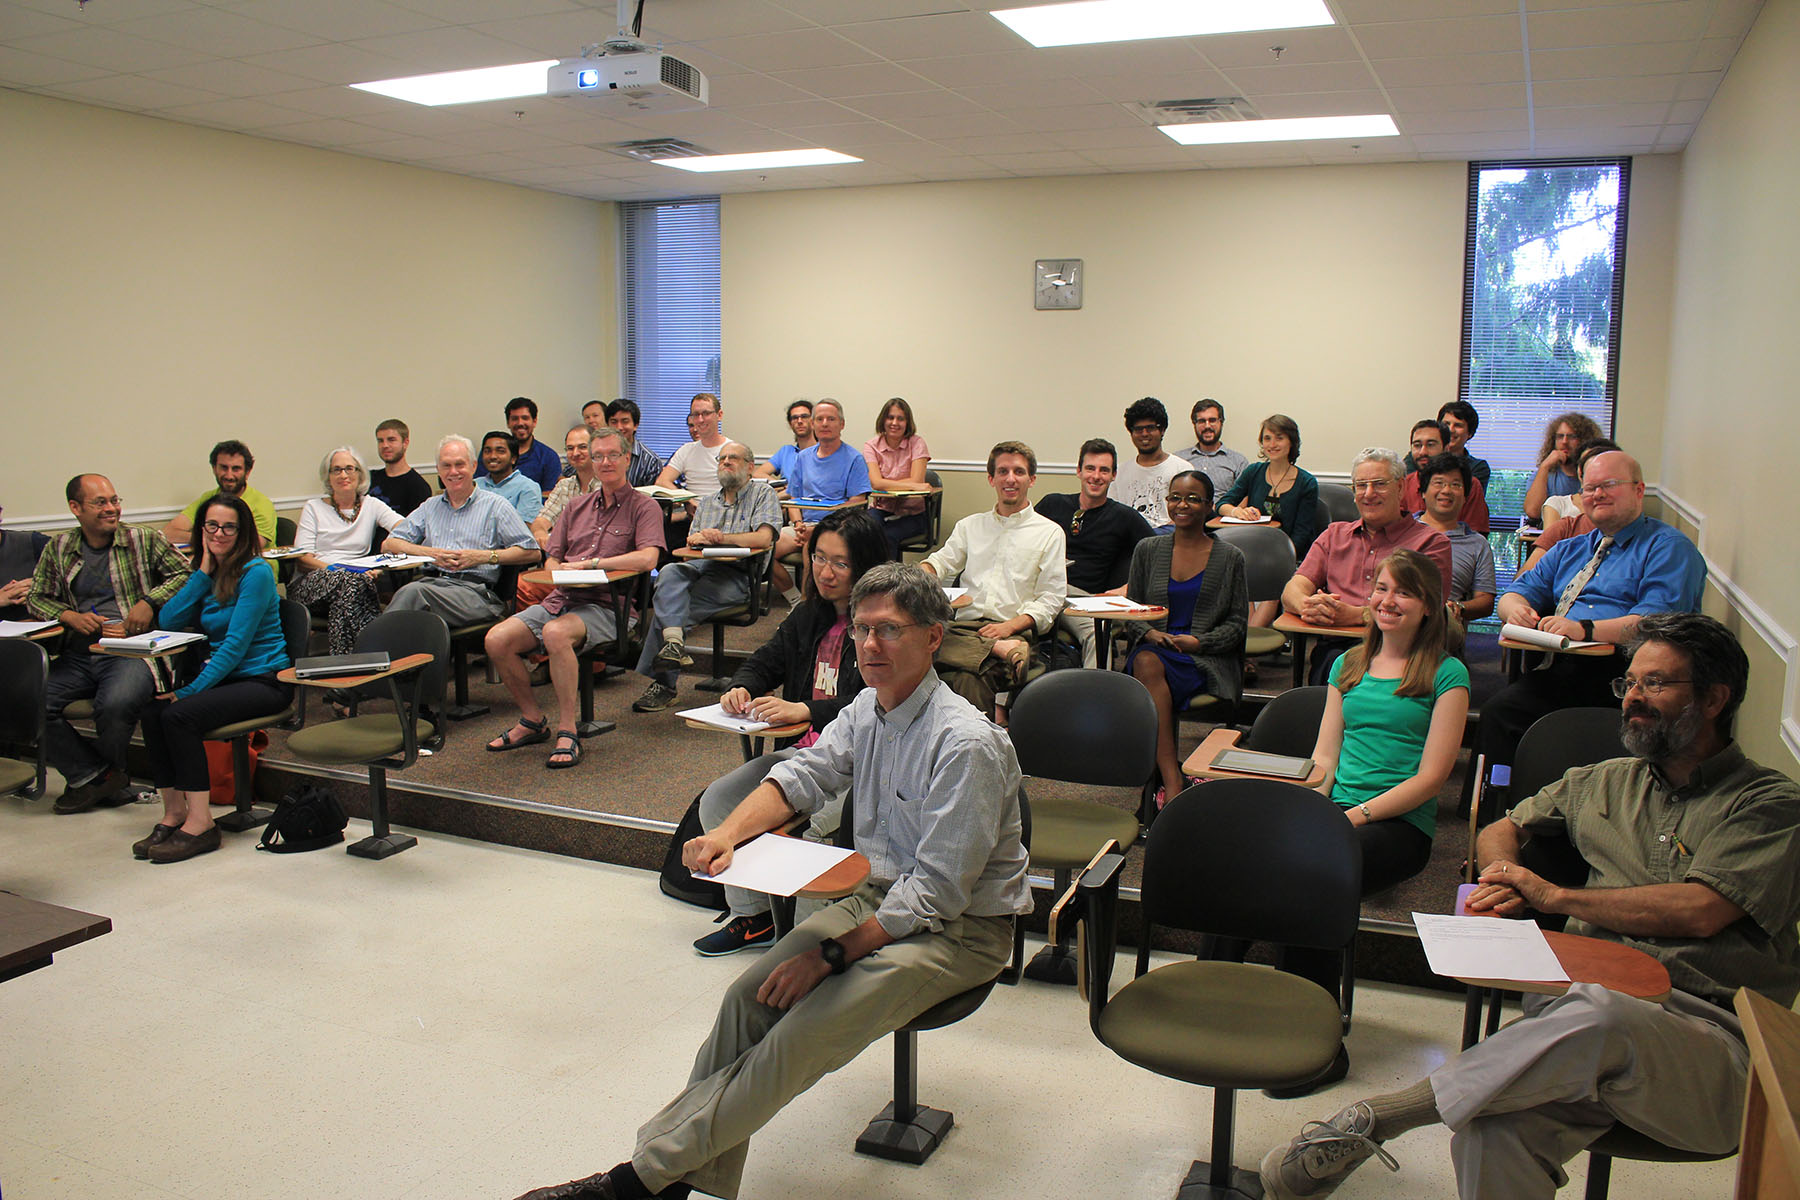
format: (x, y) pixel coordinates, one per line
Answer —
(119, 688)
(686, 594)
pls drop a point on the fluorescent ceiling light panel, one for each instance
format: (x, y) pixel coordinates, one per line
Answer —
(759, 162)
(466, 87)
(1134, 20)
(1290, 129)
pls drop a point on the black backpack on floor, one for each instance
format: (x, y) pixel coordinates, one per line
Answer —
(308, 818)
(676, 880)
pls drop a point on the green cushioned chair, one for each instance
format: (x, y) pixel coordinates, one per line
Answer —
(1253, 859)
(389, 740)
(1087, 727)
(25, 668)
(296, 627)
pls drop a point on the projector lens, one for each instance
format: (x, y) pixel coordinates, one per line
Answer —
(587, 78)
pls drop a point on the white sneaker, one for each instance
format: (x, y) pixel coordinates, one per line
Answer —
(1322, 1156)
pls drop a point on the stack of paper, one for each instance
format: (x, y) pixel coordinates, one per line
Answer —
(563, 578)
(716, 716)
(24, 628)
(156, 641)
(1103, 605)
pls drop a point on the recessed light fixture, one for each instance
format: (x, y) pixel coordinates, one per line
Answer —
(1134, 20)
(763, 161)
(1289, 129)
(466, 87)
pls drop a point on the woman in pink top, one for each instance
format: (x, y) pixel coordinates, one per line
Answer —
(897, 457)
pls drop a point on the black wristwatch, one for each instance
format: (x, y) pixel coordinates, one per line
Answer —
(1587, 631)
(833, 953)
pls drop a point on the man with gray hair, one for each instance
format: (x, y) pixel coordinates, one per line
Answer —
(469, 534)
(736, 524)
(1332, 586)
(1693, 858)
(826, 474)
(936, 812)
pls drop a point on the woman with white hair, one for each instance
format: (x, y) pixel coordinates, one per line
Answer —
(335, 528)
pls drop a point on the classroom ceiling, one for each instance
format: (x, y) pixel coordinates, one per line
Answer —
(922, 90)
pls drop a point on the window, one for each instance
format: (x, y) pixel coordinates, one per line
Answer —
(1543, 279)
(670, 318)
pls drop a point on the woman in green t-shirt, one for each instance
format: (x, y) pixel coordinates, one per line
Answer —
(1394, 720)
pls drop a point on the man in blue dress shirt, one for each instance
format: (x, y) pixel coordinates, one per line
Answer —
(1594, 587)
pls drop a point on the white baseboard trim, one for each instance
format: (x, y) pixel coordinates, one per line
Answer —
(1755, 616)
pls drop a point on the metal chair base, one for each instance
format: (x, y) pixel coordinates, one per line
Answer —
(1052, 964)
(715, 685)
(382, 847)
(239, 820)
(1239, 1185)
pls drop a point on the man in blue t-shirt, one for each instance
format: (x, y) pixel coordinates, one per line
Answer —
(827, 475)
(781, 463)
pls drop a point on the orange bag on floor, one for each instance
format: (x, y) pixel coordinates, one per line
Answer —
(219, 767)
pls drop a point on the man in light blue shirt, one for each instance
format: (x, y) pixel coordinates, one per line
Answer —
(1594, 587)
(825, 475)
(469, 534)
(500, 459)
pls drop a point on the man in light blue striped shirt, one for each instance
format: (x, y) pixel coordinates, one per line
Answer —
(469, 535)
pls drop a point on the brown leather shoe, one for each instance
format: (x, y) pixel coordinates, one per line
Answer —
(158, 835)
(101, 788)
(181, 844)
(594, 1187)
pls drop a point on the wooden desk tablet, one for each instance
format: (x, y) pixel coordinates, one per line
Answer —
(1301, 631)
(1512, 654)
(31, 932)
(1103, 642)
(346, 682)
(541, 578)
(1199, 763)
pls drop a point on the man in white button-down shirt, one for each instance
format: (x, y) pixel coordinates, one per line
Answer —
(1012, 561)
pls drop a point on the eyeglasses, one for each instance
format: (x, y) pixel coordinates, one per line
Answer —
(820, 562)
(349, 470)
(1137, 429)
(1371, 485)
(216, 527)
(1605, 485)
(615, 456)
(1650, 685)
(1180, 498)
(887, 631)
(106, 502)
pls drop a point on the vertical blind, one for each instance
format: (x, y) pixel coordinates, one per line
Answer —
(670, 314)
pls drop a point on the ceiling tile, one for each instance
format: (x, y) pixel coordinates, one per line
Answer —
(1086, 116)
(1357, 12)
(1290, 78)
(964, 125)
(1451, 68)
(1732, 18)
(733, 91)
(986, 145)
(937, 103)
(1453, 99)
(1656, 58)
(864, 79)
(1700, 85)
(229, 77)
(1323, 104)
(1124, 137)
(217, 32)
(1326, 44)
(850, 12)
(1604, 116)
(468, 12)
(1031, 94)
(853, 137)
(334, 101)
(1479, 144)
(706, 20)
(801, 49)
(1480, 120)
(800, 114)
(1681, 21)
(337, 20)
(328, 133)
(1184, 85)
(1466, 35)
(557, 34)
(1042, 160)
(1125, 157)
(18, 22)
(21, 68)
(132, 92)
(930, 36)
(1634, 89)
(1624, 140)
(342, 64)
(959, 70)
(99, 46)
(445, 49)
(232, 114)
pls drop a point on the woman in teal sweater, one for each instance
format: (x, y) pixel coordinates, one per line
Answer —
(231, 598)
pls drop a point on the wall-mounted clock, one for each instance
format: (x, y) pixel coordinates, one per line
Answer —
(1057, 283)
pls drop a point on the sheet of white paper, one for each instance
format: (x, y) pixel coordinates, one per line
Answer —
(1486, 948)
(953, 594)
(1537, 637)
(156, 639)
(715, 714)
(23, 628)
(370, 562)
(1102, 604)
(575, 578)
(1245, 521)
(780, 866)
(727, 552)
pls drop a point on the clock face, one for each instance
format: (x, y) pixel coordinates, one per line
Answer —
(1057, 283)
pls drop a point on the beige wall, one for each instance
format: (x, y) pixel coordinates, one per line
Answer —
(169, 285)
(1729, 443)
(1332, 294)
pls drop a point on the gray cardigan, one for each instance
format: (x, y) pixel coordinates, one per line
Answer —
(1221, 614)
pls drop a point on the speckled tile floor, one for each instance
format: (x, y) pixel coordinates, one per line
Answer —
(469, 1021)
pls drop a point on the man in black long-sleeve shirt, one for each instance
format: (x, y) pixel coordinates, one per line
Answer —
(1101, 534)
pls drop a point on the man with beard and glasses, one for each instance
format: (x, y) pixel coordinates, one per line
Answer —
(1692, 859)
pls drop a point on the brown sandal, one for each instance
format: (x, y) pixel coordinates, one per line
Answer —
(536, 731)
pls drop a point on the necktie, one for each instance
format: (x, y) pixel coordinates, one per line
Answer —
(1572, 592)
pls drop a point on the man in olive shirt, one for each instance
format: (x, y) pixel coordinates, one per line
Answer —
(1693, 859)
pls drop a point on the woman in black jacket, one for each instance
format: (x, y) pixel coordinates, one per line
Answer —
(812, 661)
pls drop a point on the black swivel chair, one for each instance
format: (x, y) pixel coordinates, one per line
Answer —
(1086, 727)
(1254, 860)
(1268, 565)
(25, 667)
(924, 543)
(1289, 724)
(740, 616)
(1338, 502)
